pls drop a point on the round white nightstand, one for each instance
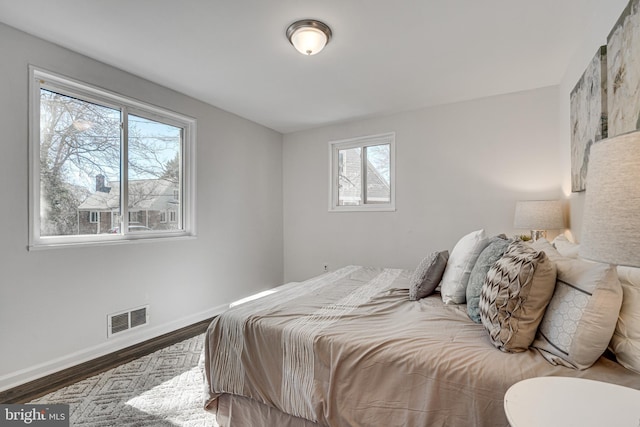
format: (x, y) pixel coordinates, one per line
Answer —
(567, 402)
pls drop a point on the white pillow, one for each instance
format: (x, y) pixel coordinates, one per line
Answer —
(543, 245)
(625, 342)
(566, 247)
(464, 255)
(582, 314)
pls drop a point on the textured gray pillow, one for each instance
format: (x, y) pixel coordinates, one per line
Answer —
(426, 277)
(515, 295)
(492, 253)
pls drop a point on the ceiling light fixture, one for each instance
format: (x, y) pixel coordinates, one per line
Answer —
(309, 36)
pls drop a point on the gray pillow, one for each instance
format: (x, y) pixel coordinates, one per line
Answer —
(492, 253)
(426, 277)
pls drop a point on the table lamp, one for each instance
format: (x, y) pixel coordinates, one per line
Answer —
(611, 223)
(539, 216)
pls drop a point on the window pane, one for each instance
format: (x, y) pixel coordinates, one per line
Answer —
(154, 175)
(79, 154)
(350, 177)
(378, 179)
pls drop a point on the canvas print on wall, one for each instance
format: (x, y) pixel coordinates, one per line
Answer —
(623, 68)
(588, 102)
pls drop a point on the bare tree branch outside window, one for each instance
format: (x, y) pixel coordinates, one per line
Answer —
(80, 160)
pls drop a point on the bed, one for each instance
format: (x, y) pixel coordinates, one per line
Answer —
(348, 348)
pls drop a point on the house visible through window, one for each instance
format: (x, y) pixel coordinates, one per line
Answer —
(362, 173)
(82, 136)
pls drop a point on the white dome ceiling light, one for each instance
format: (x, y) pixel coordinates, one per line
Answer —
(309, 36)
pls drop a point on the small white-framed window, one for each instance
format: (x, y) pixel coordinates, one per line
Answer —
(135, 217)
(163, 216)
(98, 151)
(362, 174)
(173, 216)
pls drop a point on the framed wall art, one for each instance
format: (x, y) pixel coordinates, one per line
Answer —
(588, 101)
(623, 69)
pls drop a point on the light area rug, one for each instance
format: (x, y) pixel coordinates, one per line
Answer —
(161, 389)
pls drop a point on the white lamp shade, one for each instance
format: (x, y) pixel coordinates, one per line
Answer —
(539, 215)
(309, 41)
(611, 223)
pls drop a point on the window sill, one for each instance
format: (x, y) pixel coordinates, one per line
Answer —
(369, 208)
(122, 241)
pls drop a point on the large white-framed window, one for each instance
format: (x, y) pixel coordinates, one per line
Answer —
(90, 151)
(362, 174)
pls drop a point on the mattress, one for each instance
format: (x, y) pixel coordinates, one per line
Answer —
(348, 348)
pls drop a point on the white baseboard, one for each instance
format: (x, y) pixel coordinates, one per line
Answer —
(136, 336)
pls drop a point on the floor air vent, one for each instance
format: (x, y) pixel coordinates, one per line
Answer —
(125, 320)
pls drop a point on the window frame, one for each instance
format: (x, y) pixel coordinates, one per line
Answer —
(361, 142)
(40, 78)
(135, 217)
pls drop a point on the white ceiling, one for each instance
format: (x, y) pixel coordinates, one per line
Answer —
(386, 56)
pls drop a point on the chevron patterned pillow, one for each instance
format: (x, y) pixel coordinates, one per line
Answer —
(515, 295)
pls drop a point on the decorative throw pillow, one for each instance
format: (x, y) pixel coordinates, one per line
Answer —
(463, 257)
(427, 276)
(582, 314)
(625, 343)
(515, 295)
(546, 247)
(492, 253)
(565, 247)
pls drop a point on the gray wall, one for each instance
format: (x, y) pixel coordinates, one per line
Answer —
(54, 303)
(459, 167)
